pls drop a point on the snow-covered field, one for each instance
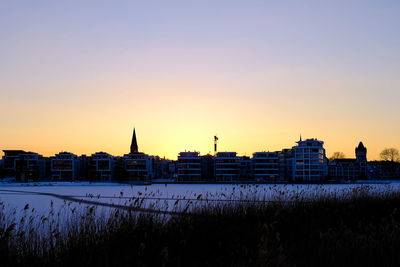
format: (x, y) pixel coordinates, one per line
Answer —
(40, 199)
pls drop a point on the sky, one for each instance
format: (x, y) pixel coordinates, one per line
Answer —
(79, 75)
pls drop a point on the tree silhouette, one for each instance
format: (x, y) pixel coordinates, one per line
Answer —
(390, 154)
(337, 155)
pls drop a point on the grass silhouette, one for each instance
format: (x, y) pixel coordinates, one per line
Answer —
(362, 229)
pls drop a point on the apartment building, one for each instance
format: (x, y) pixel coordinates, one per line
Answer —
(266, 167)
(309, 161)
(227, 167)
(101, 167)
(64, 167)
(189, 167)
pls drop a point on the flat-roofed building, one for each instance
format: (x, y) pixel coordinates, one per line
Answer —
(24, 166)
(246, 169)
(138, 167)
(207, 168)
(64, 167)
(227, 167)
(83, 171)
(286, 164)
(189, 167)
(266, 167)
(101, 167)
(173, 169)
(383, 170)
(161, 168)
(310, 163)
(10, 161)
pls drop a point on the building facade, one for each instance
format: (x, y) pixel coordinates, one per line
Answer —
(24, 166)
(161, 168)
(350, 169)
(101, 167)
(246, 169)
(266, 167)
(138, 167)
(286, 164)
(227, 167)
(64, 167)
(383, 170)
(309, 161)
(189, 167)
(207, 168)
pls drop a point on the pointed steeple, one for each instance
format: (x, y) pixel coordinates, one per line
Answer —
(300, 138)
(134, 146)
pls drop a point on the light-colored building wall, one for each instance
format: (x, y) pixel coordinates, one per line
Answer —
(310, 164)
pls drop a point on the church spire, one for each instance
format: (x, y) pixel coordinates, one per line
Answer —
(134, 146)
(300, 138)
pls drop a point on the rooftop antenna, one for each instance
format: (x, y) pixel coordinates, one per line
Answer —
(215, 144)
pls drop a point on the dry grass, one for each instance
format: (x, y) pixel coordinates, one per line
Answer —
(361, 229)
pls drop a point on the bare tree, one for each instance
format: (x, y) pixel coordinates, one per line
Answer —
(390, 154)
(337, 155)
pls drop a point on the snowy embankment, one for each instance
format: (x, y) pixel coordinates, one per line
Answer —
(49, 207)
(65, 197)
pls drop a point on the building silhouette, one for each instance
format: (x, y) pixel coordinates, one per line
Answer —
(266, 167)
(350, 168)
(227, 167)
(310, 164)
(136, 166)
(189, 166)
(246, 169)
(64, 167)
(207, 168)
(24, 165)
(304, 163)
(101, 167)
(134, 145)
(286, 163)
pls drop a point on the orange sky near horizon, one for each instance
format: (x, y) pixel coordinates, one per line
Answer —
(79, 75)
(243, 124)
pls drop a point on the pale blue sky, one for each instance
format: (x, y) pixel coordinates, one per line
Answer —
(328, 69)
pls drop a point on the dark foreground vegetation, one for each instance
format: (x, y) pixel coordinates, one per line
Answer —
(362, 231)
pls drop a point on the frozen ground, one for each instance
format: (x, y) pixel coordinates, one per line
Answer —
(40, 199)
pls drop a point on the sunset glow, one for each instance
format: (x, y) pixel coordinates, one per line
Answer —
(79, 75)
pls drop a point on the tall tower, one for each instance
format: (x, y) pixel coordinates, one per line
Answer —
(134, 146)
(361, 152)
(361, 158)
